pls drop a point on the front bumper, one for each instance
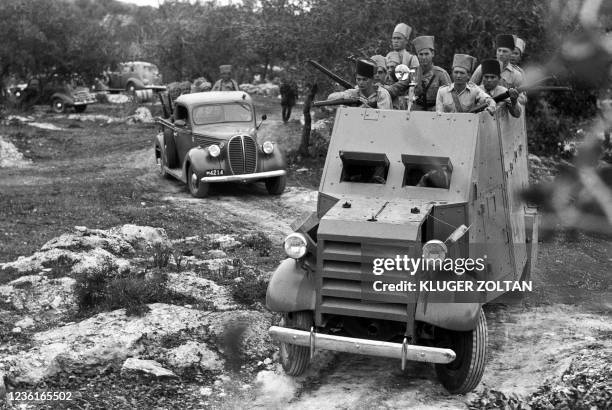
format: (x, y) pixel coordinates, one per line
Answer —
(368, 347)
(245, 177)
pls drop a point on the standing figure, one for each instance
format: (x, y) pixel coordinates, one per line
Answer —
(429, 77)
(367, 92)
(510, 76)
(289, 94)
(400, 41)
(517, 54)
(226, 82)
(380, 77)
(462, 95)
(490, 85)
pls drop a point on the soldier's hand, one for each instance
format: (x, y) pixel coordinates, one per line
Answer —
(491, 110)
(514, 94)
(364, 101)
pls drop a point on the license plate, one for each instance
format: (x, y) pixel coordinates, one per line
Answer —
(214, 172)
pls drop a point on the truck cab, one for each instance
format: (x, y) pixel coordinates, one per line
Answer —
(400, 189)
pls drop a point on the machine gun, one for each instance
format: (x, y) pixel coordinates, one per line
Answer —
(352, 102)
(331, 75)
(528, 89)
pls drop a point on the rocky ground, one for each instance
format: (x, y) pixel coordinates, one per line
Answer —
(118, 287)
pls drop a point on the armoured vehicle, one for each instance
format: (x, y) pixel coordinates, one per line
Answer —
(211, 137)
(134, 75)
(417, 187)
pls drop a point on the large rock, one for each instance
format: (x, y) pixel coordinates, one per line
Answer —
(225, 242)
(140, 236)
(84, 239)
(201, 289)
(134, 366)
(95, 344)
(39, 296)
(193, 354)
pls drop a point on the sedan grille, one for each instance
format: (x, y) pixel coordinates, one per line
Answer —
(242, 154)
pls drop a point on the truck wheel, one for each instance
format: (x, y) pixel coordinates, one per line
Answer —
(58, 106)
(197, 188)
(130, 88)
(295, 359)
(80, 108)
(170, 150)
(463, 374)
(276, 185)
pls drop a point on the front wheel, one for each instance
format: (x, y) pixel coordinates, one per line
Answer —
(130, 88)
(463, 374)
(276, 185)
(58, 106)
(295, 359)
(197, 188)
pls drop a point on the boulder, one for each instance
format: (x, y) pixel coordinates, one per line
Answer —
(134, 366)
(221, 241)
(142, 115)
(216, 254)
(118, 98)
(201, 289)
(140, 236)
(26, 323)
(193, 354)
(39, 296)
(97, 343)
(87, 239)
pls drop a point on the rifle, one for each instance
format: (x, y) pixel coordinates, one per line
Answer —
(331, 75)
(340, 101)
(527, 89)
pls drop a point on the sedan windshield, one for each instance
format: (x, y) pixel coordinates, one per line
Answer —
(211, 114)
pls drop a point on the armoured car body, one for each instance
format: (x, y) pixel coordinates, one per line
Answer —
(211, 137)
(420, 185)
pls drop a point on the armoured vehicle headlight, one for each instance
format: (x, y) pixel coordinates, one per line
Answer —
(434, 249)
(268, 147)
(295, 245)
(214, 150)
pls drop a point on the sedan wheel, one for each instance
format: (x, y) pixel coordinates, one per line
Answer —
(58, 106)
(197, 188)
(276, 185)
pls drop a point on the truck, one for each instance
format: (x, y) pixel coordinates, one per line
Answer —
(399, 190)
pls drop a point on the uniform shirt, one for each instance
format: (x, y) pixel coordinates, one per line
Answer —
(440, 78)
(514, 110)
(510, 76)
(471, 97)
(380, 96)
(230, 85)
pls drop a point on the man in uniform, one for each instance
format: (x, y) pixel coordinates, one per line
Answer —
(289, 94)
(400, 41)
(429, 77)
(226, 83)
(517, 54)
(462, 95)
(367, 92)
(490, 84)
(510, 76)
(380, 77)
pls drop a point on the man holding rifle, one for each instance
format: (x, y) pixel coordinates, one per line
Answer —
(366, 92)
(510, 77)
(490, 84)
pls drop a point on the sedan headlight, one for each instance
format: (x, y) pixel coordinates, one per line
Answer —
(268, 147)
(214, 150)
(434, 249)
(295, 245)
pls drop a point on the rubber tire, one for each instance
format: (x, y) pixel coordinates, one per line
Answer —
(58, 106)
(464, 373)
(80, 108)
(130, 88)
(295, 359)
(197, 188)
(276, 185)
(170, 149)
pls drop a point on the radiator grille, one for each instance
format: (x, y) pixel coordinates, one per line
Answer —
(242, 154)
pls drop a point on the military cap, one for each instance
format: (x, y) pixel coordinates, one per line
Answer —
(519, 43)
(380, 61)
(394, 57)
(404, 29)
(423, 42)
(225, 68)
(490, 66)
(505, 40)
(464, 61)
(366, 68)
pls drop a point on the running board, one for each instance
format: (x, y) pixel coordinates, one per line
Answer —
(402, 351)
(176, 173)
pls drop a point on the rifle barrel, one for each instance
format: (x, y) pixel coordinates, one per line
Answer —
(331, 74)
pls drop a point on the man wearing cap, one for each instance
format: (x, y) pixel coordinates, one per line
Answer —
(429, 77)
(462, 95)
(380, 77)
(226, 83)
(490, 84)
(510, 76)
(367, 92)
(400, 41)
(517, 53)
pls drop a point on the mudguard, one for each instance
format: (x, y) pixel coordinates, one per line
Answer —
(291, 288)
(271, 162)
(136, 81)
(201, 161)
(66, 99)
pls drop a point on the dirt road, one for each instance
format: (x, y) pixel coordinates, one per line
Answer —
(102, 174)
